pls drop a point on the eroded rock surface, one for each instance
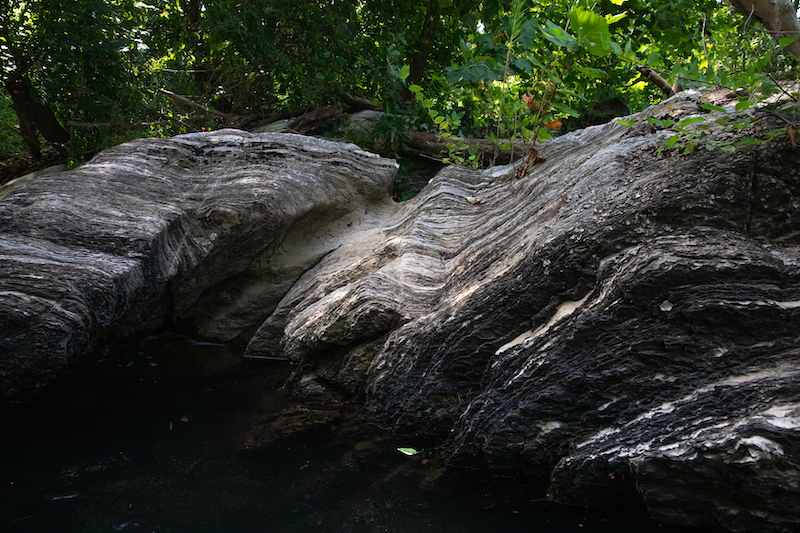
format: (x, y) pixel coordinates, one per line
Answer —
(209, 228)
(621, 321)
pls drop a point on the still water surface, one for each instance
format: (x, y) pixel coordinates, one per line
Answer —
(172, 435)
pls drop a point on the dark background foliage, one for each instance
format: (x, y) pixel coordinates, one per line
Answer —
(92, 73)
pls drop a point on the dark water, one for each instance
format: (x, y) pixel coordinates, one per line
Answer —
(171, 435)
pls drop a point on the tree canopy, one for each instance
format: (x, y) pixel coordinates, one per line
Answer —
(80, 75)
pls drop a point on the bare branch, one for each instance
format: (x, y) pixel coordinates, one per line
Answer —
(656, 78)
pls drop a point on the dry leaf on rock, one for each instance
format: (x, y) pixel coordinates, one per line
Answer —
(792, 135)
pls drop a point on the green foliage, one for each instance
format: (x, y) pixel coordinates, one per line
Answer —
(458, 66)
(10, 141)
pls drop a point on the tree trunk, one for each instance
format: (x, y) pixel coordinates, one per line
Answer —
(26, 127)
(779, 17)
(426, 40)
(33, 115)
(202, 72)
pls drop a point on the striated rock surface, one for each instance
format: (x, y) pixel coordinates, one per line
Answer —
(208, 228)
(620, 321)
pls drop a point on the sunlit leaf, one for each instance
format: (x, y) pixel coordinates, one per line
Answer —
(405, 70)
(591, 30)
(408, 451)
(611, 19)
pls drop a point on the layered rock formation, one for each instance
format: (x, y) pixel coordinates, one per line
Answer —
(621, 320)
(208, 228)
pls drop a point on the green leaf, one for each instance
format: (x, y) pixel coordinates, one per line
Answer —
(558, 35)
(767, 87)
(786, 41)
(631, 122)
(710, 107)
(405, 70)
(611, 19)
(628, 52)
(743, 104)
(415, 88)
(592, 31)
(592, 72)
(523, 64)
(672, 140)
(688, 121)
(408, 451)
(566, 109)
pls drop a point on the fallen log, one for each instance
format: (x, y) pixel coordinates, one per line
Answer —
(435, 147)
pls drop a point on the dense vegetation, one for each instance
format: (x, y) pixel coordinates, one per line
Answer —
(92, 73)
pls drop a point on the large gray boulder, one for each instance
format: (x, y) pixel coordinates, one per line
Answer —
(620, 320)
(623, 321)
(210, 229)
